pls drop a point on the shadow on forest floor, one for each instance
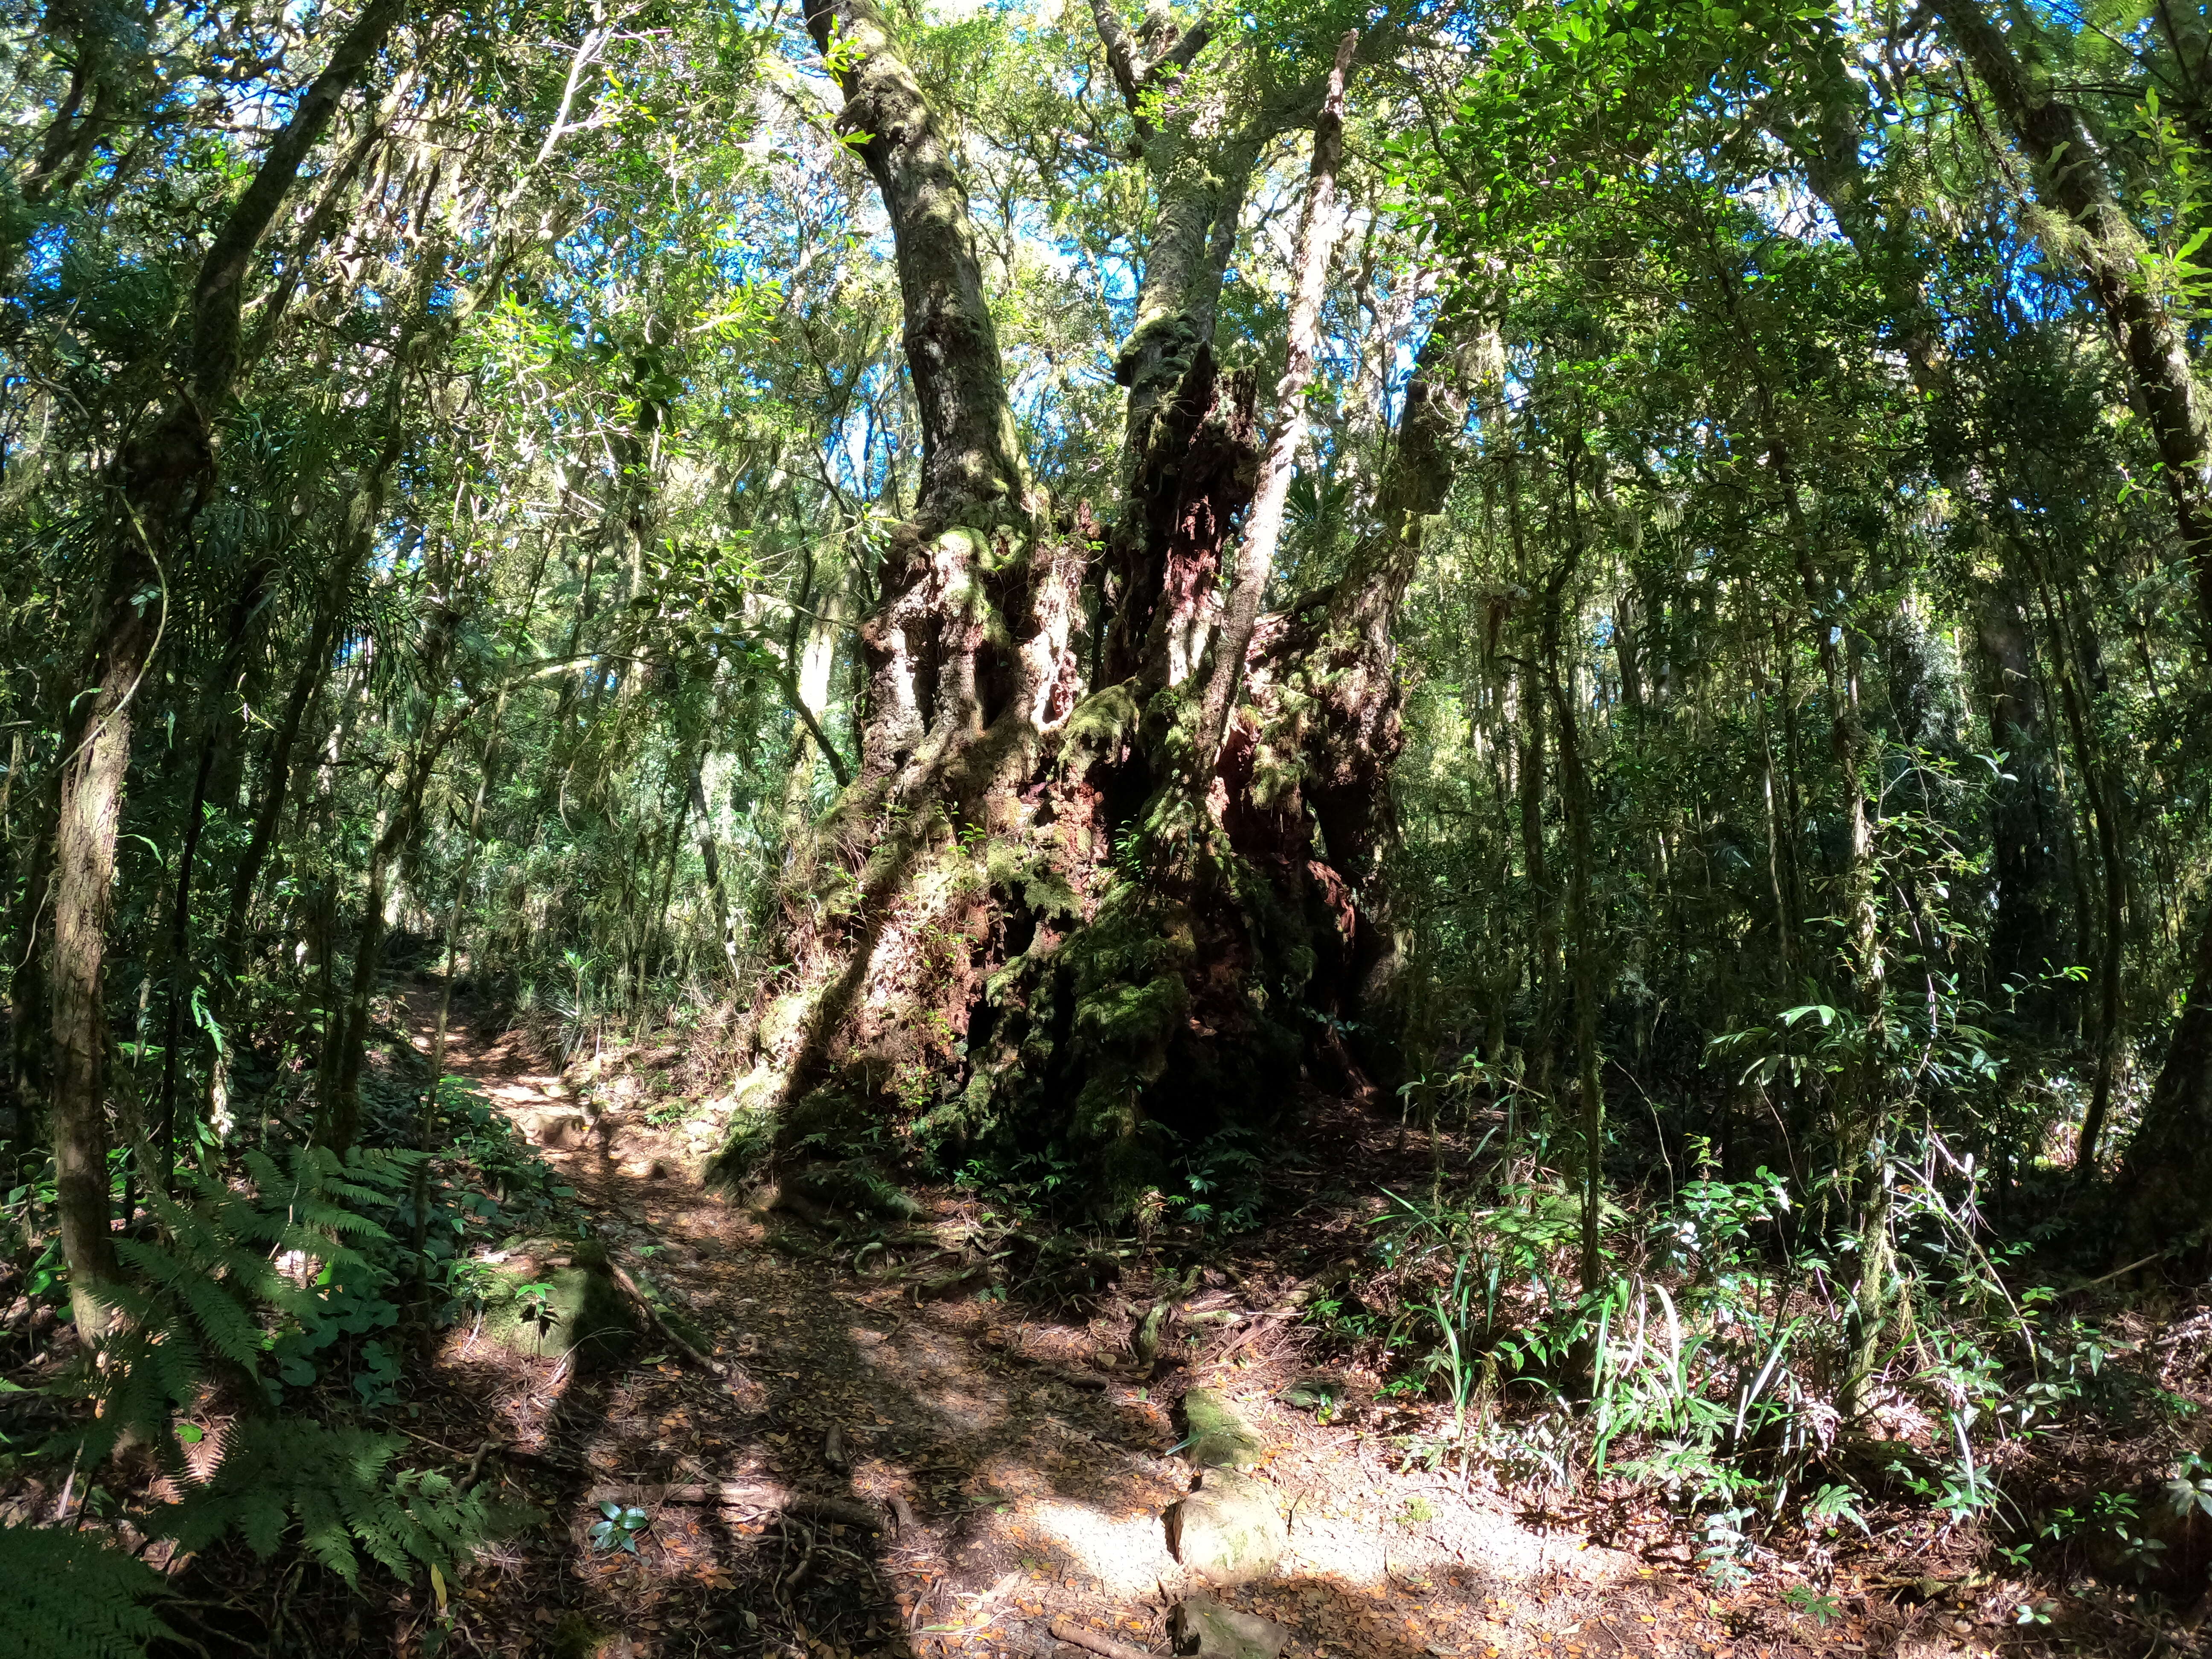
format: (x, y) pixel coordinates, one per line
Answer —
(991, 1481)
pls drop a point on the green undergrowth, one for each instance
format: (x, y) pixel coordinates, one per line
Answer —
(259, 1354)
(1706, 1367)
(69, 1595)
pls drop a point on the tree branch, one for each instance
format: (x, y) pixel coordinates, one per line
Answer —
(970, 470)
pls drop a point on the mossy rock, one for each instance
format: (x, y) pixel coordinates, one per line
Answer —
(1219, 1436)
(1230, 1530)
(1205, 1629)
(545, 1311)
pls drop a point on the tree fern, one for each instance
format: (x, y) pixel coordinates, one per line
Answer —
(337, 1487)
(66, 1595)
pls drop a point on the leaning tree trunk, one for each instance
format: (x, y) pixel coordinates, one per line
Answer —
(1037, 919)
(157, 483)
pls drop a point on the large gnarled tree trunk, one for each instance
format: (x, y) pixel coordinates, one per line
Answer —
(1067, 920)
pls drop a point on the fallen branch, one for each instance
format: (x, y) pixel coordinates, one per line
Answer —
(667, 1331)
(2105, 1279)
(475, 1466)
(1074, 1379)
(792, 1580)
(763, 1497)
(1075, 1635)
(1260, 1322)
(1087, 1379)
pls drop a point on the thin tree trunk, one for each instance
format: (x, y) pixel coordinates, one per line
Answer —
(710, 855)
(337, 1124)
(2021, 942)
(2099, 786)
(2071, 178)
(161, 478)
(1319, 224)
(1574, 800)
(219, 731)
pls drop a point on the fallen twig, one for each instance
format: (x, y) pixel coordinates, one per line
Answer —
(668, 1333)
(1068, 1631)
(792, 1580)
(475, 1466)
(2105, 1278)
(758, 1497)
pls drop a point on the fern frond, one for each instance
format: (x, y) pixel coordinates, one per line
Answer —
(315, 1213)
(327, 1533)
(65, 1596)
(261, 1170)
(228, 1328)
(339, 1487)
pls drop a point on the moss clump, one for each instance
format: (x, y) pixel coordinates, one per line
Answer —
(559, 1306)
(1028, 873)
(746, 1146)
(1218, 1436)
(1102, 723)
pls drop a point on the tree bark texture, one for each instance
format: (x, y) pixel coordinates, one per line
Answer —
(1318, 225)
(1036, 918)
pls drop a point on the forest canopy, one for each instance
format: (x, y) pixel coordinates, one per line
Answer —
(1046, 589)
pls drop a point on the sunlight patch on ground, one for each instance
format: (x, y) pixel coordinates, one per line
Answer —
(933, 1378)
(1358, 1552)
(1128, 1554)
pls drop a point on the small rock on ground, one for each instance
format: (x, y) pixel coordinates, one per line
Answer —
(1204, 1628)
(1229, 1530)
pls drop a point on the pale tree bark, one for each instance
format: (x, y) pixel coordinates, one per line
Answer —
(1355, 723)
(1319, 225)
(1201, 179)
(710, 855)
(160, 481)
(971, 472)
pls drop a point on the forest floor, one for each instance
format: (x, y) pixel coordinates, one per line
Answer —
(878, 1471)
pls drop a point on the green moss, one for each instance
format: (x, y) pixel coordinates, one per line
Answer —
(1128, 1016)
(1102, 722)
(575, 1637)
(557, 1312)
(745, 1148)
(1218, 1436)
(1028, 872)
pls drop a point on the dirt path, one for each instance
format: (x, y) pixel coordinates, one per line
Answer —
(1010, 1482)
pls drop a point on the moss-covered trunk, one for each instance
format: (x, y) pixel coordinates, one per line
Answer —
(1047, 922)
